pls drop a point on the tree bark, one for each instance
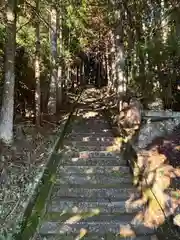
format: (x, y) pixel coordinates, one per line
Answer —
(37, 69)
(60, 71)
(53, 81)
(7, 110)
(121, 81)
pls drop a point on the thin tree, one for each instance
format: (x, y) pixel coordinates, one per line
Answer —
(53, 80)
(60, 71)
(37, 67)
(7, 110)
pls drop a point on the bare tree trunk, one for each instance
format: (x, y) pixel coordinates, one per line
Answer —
(60, 72)
(81, 73)
(120, 61)
(53, 81)
(7, 110)
(37, 68)
(77, 73)
(112, 63)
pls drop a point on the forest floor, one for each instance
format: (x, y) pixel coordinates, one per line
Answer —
(21, 166)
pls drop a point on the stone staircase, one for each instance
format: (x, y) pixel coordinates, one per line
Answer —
(90, 196)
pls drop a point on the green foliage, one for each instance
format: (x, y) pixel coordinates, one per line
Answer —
(86, 23)
(26, 36)
(2, 33)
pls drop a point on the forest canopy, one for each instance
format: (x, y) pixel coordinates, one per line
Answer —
(131, 44)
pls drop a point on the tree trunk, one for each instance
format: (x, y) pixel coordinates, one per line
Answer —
(60, 72)
(112, 63)
(53, 81)
(120, 77)
(77, 73)
(121, 81)
(37, 68)
(7, 110)
(81, 73)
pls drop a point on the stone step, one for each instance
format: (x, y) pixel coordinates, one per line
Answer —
(87, 236)
(80, 178)
(91, 128)
(73, 225)
(92, 138)
(93, 124)
(90, 133)
(95, 147)
(91, 144)
(95, 154)
(124, 191)
(82, 206)
(93, 120)
(92, 188)
(118, 171)
(95, 161)
(97, 120)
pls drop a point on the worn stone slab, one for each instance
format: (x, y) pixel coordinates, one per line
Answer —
(100, 154)
(100, 206)
(76, 178)
(94, 237)
(95, 147)
(92, 162)
(91, 133)
(99, 227)
(109, 155)
(91, 127)
(90, 143)
(92, 170)
(90, 159)
(92, 138)
(94, 192)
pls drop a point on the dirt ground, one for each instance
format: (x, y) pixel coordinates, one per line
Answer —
(21, 166)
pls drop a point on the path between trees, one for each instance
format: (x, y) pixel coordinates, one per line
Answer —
(91, 193)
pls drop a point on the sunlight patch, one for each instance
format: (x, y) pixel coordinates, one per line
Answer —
(86, 139)
(90, 170)
(112, 148)
(84, 155)
(82, 233)
(75, 209)
(126, 231)
(177, 148)
(73, 219)
(75, 159)
(116, 168)
(90, 114)
(105, 130)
